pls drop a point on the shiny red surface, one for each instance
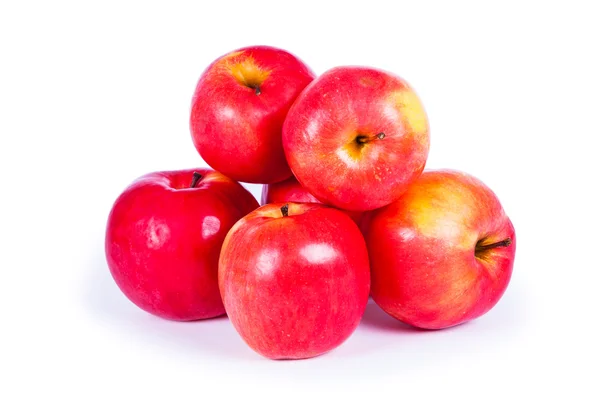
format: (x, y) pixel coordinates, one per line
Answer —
(321, 129)
(238, 132)
(424, 269)
(163, 241)
(295, 286)
(292, 190)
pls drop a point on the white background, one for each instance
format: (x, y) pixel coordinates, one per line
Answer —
(93, 96)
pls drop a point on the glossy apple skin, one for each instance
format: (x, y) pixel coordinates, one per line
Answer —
(346, 105)
(424, 269)
(237, 131)
(163, 241)
(295, 286)
(291, 190)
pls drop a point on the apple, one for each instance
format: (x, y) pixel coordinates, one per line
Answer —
(443, 253)
(290, 190)
(356, 137)
(164, 236)
(294, 278)
(238, 109)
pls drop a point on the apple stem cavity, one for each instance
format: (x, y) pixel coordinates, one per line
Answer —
(195, 179)
(481, 248)
(256, 89)
(285, 209)
(361, 139)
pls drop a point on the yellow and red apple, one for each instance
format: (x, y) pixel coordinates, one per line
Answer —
(356, 138)
(443, 253)
(238, 109)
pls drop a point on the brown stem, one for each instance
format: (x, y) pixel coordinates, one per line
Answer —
(195, 178)
(503, 243)
(256, 89)
(284, 210)
(361, 139)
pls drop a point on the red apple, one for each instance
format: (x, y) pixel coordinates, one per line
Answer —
(356, 138)
(291, 190)
(294, 278)
(238, 108)
(443, 253)
(164, 236)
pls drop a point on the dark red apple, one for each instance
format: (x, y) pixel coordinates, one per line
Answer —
(443, 253)
(356, 138)
(238, 108)
(294, 279)
(164, 236)
(291, 190)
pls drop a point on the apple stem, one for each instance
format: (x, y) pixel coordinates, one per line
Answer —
(195, 178)
(366, 139)
(284, 210)
(256, 89)
(503, 243)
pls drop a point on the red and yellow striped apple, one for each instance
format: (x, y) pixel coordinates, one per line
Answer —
(443, 253)
(238, 109)
(294, 278)
(356, 138)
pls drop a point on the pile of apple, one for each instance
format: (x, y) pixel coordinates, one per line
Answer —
(347, 212)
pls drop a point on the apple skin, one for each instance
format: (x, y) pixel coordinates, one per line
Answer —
(356, 137)
(163, 241)
(294, 286)
(238, 109)
(424, 267)
(291, 190)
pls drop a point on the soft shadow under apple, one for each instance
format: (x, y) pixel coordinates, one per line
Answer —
(377, 319)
